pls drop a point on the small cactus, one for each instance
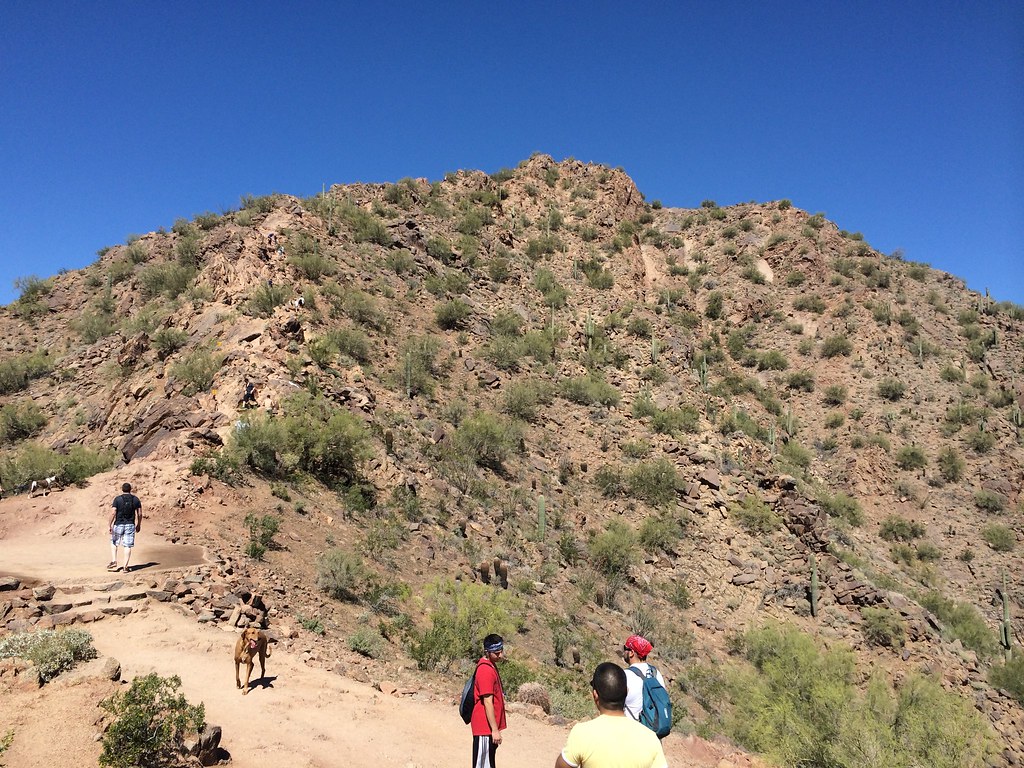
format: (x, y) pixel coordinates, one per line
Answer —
(484, 569)
(541, 518)
(654, 350)
(1004, 625)
(501, 572)
(814, 586)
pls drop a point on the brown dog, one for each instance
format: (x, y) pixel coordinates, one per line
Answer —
(251, 643)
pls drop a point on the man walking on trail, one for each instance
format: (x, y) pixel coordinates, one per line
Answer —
(611, 740)
(488, 719)
(125, 522)
(634, 652)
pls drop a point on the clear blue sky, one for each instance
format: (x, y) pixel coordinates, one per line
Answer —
(901, 120)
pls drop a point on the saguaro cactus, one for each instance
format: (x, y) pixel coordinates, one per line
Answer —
(1004, 626)
(542, 519)
(814, 586)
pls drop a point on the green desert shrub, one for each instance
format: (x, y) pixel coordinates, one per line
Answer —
(654, 482)
(809, 303)
(660, 533)
(891, 389)
(487, 439)
(799, 705)
(795, 454)
(772, 360)
(1010, 676)
(340, 574)
(980, 441)
(834, 346)
(451, 314)
(311, 435)
(999, 537)
(896, 528)
(32, 461)
(524, 398)
(417, 365)
(197, 370)
(842, 506)
(951, 466)
(834, 394)
(589, 390)
(989, 501)
(461, 615)
(961, 621)
(168, 279)
(51, 651)
(20, 420)
(614, 550)
(911, 457)
(265, 299)
(802, 381)
(367, 641)
(882, 626)
(754, 515)
(151, 721)
(167, 341)
(262, 529)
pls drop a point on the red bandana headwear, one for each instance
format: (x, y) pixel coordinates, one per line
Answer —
(639, 645)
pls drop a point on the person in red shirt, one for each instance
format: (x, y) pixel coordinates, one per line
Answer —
(488, 719)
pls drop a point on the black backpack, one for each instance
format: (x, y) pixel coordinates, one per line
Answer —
(468, 701)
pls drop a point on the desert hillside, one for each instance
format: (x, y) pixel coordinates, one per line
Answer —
(537, 402)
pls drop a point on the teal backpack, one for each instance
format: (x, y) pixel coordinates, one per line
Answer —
(656, 711)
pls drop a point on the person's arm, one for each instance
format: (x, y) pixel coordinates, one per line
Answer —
(113, 515)
(488, 701)
(138, 518)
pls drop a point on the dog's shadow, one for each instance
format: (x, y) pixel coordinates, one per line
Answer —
(263, 682)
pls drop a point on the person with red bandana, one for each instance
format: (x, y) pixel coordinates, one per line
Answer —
(635, 652)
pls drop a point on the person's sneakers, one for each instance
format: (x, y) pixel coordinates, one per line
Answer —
(112, 565)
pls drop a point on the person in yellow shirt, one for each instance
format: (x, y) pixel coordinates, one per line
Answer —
(611, 740)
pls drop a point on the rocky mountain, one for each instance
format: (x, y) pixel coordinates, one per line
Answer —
(690, 422)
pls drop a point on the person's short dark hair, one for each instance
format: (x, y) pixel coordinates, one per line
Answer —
(126, 487)
(493, 641)
(609, 681)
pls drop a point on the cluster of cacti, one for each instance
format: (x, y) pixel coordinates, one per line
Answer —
(814, 586)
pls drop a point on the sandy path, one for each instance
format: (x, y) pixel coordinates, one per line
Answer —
(307, 717)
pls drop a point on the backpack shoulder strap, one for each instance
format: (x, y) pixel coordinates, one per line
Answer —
(636, 672)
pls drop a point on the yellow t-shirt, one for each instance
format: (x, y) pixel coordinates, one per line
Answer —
(613, 742)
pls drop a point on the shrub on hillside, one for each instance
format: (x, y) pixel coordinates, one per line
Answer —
(891, 389)
(834, 394)
(896, 528)
(20, 420)
(999, 537)
(989, 501)
(834, 346)
(311, 435)
(462, 614)
(882, 626)
(340, 574)
(802, 381)
(754, 515)
(167, 279)
(32, 461)
(589, 390)
(16, 372)
(151, 722)
(951, 466)
(51, 651)
(523, 399)
(911, 457)
(265, 299)
(167, 341)
(452, 314)
(417, 365)
(1010, 676)
(800, 706)
(197, 370)
(961, 621)
(842, 506)
(487, 439)
(654, 482)
(614, 550)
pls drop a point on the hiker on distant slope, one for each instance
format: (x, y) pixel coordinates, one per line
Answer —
(249, 397)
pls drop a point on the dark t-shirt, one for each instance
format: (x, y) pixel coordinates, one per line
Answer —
(125, 506)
